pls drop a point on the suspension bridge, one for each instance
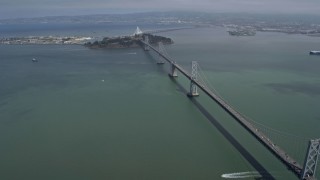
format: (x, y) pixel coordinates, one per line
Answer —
(139, 32)
(304, 169)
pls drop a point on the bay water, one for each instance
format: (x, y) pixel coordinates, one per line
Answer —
(84, 113)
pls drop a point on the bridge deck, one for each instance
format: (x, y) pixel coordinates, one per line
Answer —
(276, 150)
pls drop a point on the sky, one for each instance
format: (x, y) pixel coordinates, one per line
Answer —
(38, 8)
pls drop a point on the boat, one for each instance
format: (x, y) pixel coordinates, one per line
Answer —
(314, 52)
(34, 60)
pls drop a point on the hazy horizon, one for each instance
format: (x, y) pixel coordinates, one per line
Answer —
(41, 8)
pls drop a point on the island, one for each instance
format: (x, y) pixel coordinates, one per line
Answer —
(235, 30)
(242, 31)
(107, 42)
(128, 41)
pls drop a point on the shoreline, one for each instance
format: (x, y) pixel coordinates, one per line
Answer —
(45, 40)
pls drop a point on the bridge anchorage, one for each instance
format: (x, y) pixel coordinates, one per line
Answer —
(261, 132)
(173, 72)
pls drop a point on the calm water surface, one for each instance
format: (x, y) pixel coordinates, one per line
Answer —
(115, 114)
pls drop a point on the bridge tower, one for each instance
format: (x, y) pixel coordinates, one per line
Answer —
(194, 73)
(310, 164)
(162, 51)
(137, 32)
(146, 40)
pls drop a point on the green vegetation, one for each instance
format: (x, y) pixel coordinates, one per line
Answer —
(242, 31)
(127, 41)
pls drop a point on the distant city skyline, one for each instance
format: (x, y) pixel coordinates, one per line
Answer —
(38, 8)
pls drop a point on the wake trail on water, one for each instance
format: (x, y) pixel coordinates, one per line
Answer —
(240, 175)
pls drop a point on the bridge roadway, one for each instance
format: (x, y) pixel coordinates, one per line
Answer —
(166, 30)
(276, 150)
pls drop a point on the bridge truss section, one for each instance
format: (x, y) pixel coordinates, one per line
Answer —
(310, 165)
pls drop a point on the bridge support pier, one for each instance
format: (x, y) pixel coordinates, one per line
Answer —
(173, 72)
(310, 164)
(193, 87)
(160, 61)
